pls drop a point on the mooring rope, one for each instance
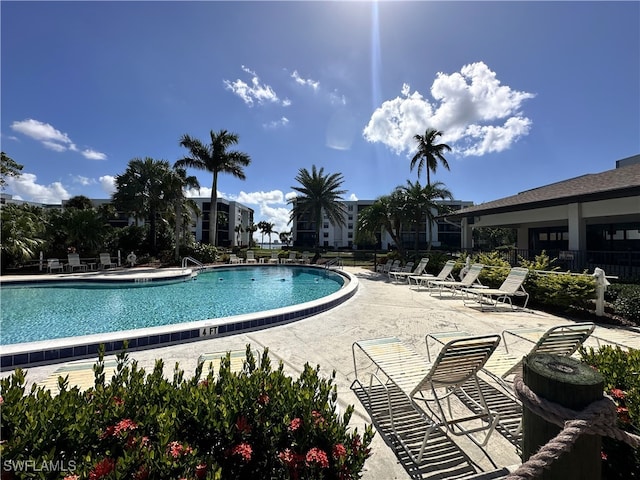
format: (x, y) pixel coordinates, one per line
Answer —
(598, 418)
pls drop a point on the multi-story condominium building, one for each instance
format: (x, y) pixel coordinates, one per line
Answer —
(444, 233)
(233, 218)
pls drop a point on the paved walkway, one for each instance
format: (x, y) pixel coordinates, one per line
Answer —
(379, 308)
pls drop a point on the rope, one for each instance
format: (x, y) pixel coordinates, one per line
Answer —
(598, 418)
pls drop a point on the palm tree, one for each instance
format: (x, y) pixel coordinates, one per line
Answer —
(268, 230)
(318, 193)
(252, 228)
(386, 213)
(22, 232)
(215, 158)
(420, 205)
(285, 237)
(429, 152)
(8, 168)
(263, 227)
(145, 190)
(177, 182)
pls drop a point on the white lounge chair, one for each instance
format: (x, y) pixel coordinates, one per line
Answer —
(233, 258)
(274, 258)
(405, 269)
(54, 265)
(74, 263)
(292, 258)
(385, 267)
(445, 274)
(105, 261)
(404, 276)
(468, 281)
(251, 257)
(458, 362)
(511, 287)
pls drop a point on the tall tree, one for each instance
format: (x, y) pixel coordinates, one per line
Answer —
(385, 214)
(251, 229)
(8, 168)
(429, 152)
(80, 202)
(145, 190)
(420, 205)
(285, 237)
(22, 232)
(268, 230)
(263, 226)
(177, 182)
(215, 158)
(238, 229)
(318, 193)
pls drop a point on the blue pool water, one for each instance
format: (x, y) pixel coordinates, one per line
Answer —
(31, 313)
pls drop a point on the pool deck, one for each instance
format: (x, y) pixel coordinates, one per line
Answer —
(379, 308)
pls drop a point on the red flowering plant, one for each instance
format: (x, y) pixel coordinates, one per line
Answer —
(621, 372)
(257, 423)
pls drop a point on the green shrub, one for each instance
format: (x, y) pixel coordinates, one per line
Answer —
(203, 252)
(258, 424)
(561, 290)
(621, 372)
(492, 277)
(625, 299)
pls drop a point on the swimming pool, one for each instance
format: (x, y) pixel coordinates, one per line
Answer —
(47, 312)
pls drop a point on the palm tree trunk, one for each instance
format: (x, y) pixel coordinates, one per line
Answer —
(213, 211)
(177, 231)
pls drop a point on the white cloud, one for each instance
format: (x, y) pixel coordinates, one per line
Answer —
(314, 84)
(353, 197)
(290, 195)
(278, 216)
(476, 114)
(93, 155)
(84, 181)
(254, 92)
(283, 122)
(52, 138)
(108, 184)
(254, 198)
(26, 187)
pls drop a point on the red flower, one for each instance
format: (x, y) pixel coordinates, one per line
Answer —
(124, 425)
(201, 470)
(118, 401)
(1, 400)
(204, 383)
(339, 451)
(315, 455)
(102, 468)
(263, 399)
(176, 449)
(287, 457)
(623, 414)
(603, 456)
(318, 419)
(71, 477)
(617, 393)
(295, 424)
(244, 450)
(242, 424)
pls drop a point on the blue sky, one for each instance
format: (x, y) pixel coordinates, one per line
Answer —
(526, 93)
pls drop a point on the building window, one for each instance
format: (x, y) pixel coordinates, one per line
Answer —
(350, 217)
(350, 208)
(325, 234)
(350, 235)
(326, 225)
(350, 226)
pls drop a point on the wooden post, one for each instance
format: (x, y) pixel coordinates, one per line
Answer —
(572, 384)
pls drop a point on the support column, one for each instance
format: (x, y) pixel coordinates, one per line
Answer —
(466, 235)
(577, 227)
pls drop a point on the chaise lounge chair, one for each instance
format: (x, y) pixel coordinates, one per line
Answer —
(105, 261)
(251, 256)
(404, 276)
(400, 368)
(405, 269)
(470, 280)
(385, 268)
(74, 263)
(54, 265)
(445, 274)
(511, 287)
